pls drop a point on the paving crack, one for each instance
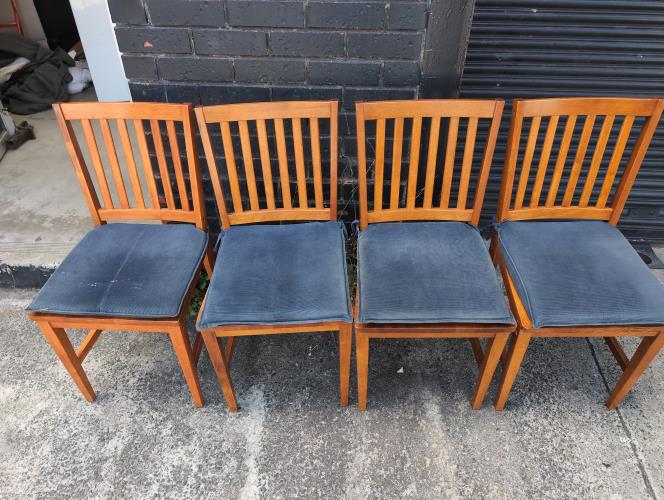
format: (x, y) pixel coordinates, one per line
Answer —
(623, 422)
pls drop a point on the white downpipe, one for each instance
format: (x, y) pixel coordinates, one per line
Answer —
(93, 21)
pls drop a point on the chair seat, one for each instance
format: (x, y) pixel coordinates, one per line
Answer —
(427, 272)
(126, 270)
(574, 273)
(279, 275)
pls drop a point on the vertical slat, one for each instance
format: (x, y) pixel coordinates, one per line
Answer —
(396, 163)
(509, 166)
(614, 163)
(466, 166)
(379, 168)
(579, 159)
(334, 144)
(115, 164)
(487, 160)
(161, 161)
(96, 163)
(283, 162)
(212, 165)
(177, 164)
(82, 172)
(414, 162)
(299, 163)
(527, 161)
(147, 163)
(362, 165)
(634, 161)
(560, 161)
(248, 164)
(598, 155)
(316, 163)
(432, 155)
(195, 181)
(231, 167)
(131, 162)
(448, 168)
(265, 163)
(544, 161)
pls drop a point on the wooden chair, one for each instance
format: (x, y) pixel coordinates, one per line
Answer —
(275, 278)
(567, 270)
(427, 279)
(124, 276)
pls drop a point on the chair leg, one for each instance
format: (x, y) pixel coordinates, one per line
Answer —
(478, 352)
(345, 346)
(198, 347)
(180, 341)
(221, 369)
(208, 261)
(517, 352)
(506, 350)
(59, 341)
(488, 368)
(617, 351)
(362, 358)
(229, 349)
(646, 352)
(493, 248)
(87, 344)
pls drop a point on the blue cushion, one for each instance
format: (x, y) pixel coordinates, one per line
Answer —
(427, 272)
(579, 273)
(279, 274)
(126, 270)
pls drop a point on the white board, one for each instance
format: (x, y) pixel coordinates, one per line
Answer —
(93, 21)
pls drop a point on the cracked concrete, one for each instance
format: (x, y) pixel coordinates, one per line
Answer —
(419, 438)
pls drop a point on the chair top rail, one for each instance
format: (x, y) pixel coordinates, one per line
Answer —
(125, 110)
(584, 106)
(468, 108)
(268, 111)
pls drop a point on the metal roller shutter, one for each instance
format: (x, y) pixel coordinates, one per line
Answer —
(555, 48)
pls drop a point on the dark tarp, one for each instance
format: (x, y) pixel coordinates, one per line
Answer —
(39, 84)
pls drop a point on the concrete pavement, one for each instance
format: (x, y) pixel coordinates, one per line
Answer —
(43, 213)
(419, 439)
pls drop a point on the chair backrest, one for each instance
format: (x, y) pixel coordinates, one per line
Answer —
(266, 128)
(141, 129)
(442, 192)
(580, 132)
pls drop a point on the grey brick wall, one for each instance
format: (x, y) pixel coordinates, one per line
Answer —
(224, 51)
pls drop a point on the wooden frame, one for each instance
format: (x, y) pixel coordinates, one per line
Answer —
(587, 202)
(275, 208)
(417, 111)
(191, 210)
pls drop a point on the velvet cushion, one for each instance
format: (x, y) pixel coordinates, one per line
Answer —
(579, 273)
(126, 270)
(427, 272)
(279, 274)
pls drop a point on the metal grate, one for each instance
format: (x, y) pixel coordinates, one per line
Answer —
(557, 48)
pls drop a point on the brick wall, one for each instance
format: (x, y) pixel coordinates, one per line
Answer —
(224, 51)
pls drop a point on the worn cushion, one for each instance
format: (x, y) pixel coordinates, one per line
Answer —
(279, 274)
(427, 272)
(126, 270)
(579, 273)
